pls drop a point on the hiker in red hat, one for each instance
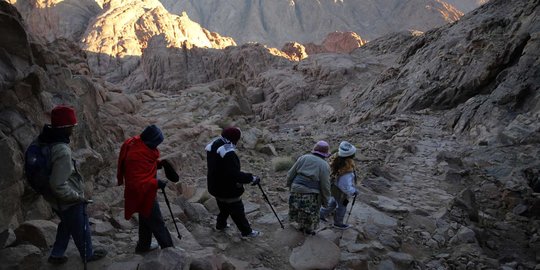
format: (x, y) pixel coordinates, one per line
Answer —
(226, 180)
(66, 195)
(138, 163)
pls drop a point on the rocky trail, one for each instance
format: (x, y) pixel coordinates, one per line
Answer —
(446, 123)
(413, 210)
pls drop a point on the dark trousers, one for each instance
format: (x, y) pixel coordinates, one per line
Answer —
(153, 225)
(73, 223)
(236, 211)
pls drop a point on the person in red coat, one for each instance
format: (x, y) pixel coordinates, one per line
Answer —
(137, 169)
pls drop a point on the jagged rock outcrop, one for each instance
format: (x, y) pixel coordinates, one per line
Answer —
(278, 22)
(480, 65)
(173, 69)
(34, 79)
(118, 36)
(295, 51)
(466, 5)
(55, 19)
(336, 42)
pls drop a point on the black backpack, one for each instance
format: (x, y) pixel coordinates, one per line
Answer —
(38, 167)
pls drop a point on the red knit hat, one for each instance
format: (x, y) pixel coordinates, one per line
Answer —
(232, 134)
(63, 116)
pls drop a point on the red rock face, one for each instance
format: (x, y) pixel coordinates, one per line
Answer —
(335, 42)
(342, 42)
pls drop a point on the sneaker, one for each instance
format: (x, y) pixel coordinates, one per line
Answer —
(153, 246)
(57, 260)
(224, 228)
(341, 226)
(253, 234)
(98, 255)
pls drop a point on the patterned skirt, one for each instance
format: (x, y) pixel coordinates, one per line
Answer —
(304, 210)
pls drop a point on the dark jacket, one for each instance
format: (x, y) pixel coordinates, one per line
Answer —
(225, 179)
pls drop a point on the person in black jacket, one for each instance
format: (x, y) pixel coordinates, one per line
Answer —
(226, 180)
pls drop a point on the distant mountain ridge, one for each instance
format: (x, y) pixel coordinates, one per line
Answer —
(272, 23)
(276, 22)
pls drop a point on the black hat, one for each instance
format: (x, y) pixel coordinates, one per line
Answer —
(152, 136)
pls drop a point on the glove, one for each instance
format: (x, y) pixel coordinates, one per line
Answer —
(85, 200)
(161, 183)
(256, 180)
(170, 172)
(345, 202)
(355, 193)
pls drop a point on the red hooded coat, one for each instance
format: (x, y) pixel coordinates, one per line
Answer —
(137, 164)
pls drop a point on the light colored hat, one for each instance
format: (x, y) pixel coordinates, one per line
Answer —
(321, 148)
(346, 149)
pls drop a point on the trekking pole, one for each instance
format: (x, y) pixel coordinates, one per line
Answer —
(170, 210)
(85, 230)
(350, 211)
(271, 207)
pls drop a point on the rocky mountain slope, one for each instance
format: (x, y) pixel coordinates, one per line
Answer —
(466, 5)
(278, 22)
(119, 34)
(54, 19)
(446, 123)
(273, 23)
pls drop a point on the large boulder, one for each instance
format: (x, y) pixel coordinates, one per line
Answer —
(166, 259)
(40, 233)
(7, 238)
(315, 253)
(20, 257)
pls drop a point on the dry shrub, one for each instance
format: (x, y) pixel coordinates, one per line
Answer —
(282, 163)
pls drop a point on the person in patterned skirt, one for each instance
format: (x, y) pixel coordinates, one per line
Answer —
(309, 184)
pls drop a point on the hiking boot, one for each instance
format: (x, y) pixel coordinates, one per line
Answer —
(341, 226)
(308, 232)
(57, 260)
(98, 255)
(153, 246)
(252, 234)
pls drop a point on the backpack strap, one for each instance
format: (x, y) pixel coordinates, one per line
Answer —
(46, 150)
